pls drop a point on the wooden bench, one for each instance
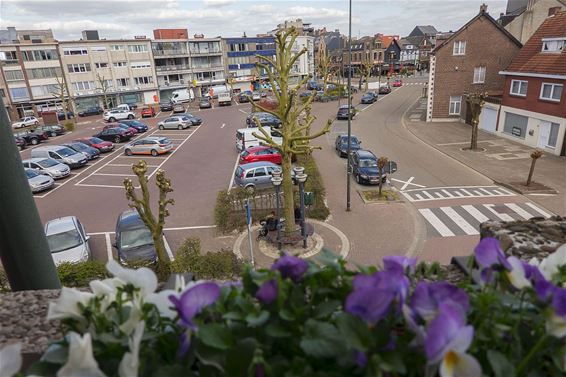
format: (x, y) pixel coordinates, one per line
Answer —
(294, 238)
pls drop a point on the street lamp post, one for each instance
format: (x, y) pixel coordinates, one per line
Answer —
(349, 167)
(276, 180)
(301, 177)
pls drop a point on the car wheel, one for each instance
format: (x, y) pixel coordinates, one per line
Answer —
(128, 152)
(130, 116)
(154, 153)
(53, 134)
(358, 179)
(161, 128)
(117, 139)
(112, 120)
(34, 142)
(180, 127)
(36, 123)
(250, 189)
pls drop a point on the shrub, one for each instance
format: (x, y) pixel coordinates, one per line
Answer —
(69, 126)
(225, 218)
(80, 274)
(314, 184)
(221, 265)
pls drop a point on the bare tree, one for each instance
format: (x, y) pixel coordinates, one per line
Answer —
(143, 206)
(381, 164)
(324, 69)
(295, 116)
(475, 102)
(103, 83)
(365, 71)
(534, 156)
(62, 94)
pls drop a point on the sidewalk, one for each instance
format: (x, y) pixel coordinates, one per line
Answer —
(502, 160)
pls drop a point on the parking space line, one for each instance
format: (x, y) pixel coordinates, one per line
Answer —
(129, 165)
(115, 175)
(138, 157)
(168, 249)
(108, 186)
(192, 227)
(108, 246)
(233, 172)
(223, 125)
(156, 115)
(242, 111)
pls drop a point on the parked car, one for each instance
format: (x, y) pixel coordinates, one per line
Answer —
(384, 89)
(152, 145)
(341, 144)
(115, 134)
(130, 130)
(175, 122)
(133, 239)
(90, 152)
(118, 114)
(39, 182)
(101, 145)
(260, 153)
(127, 106)
(204, 103)
(52, 129)
(61, 154)
(148, 111)
(256, 96)
(245, 137)
(61, 115)
(255, 175)
(195, 121)
(94, 110)
(20, 142)
(364, 167)
(139, 126)
(313, 85)
(166, 106)
(132, 105)
(368, 97)
(67, 240)
(47, 166)
(31, 138)
(343, 112)
(266, 120)
(224, 99)
(178, 108)
(244, 97)
(25, 122)
(397, 83)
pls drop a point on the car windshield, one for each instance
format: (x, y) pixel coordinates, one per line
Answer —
(368, 163)
(79, 146)
(31, 174)
(163, 141)
(239, 171)
(96, 140)
(132, 238)
(353, 140)
(64, 241)
(47, 163)
(66, 152)
(245, 153)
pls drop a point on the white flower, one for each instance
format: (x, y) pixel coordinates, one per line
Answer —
(556, 325)
(142, 278)
(10, 359)
(517, 275)
(457, 364)
(550, 265)
(81, 361)
(133, 320)
(162, 302)
(131, 360)
(67, 306)
(106, 289)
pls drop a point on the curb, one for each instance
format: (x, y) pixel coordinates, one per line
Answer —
(523, 192)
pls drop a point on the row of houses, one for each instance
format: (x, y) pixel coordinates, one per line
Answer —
(37, 70)
(524, 83)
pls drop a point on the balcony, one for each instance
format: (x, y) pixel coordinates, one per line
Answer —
(159, 53)
(205, 53)
(175, 67)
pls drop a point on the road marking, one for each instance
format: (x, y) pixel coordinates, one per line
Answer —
(223, 125)
(109, 186)
(168, 249)
(436, 223)
(233, 173)
(427, 194)
(459, 220)
(538, 210)
(242, 111)
(502, 216)
(475, 213)
(524, 214)
(410, 183)
(407, 183)
(115, 175)
(447, 193)
(108, 246)
(156, 115)
(419, 196)
(191, 227)
(461, 188)
(130, 165)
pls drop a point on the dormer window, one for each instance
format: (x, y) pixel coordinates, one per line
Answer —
(555, 45)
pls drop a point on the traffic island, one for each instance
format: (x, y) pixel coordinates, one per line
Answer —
(533, 188)
(387, 196)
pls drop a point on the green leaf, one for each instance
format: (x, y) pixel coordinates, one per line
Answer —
(216, 336)
(277, 330)
(354, 331)
(172, 371)
(326, 308)
(235, 316)
(56, 354)
(239, 358)
(321, 339)
(43, 369)
(286, 314)
(257, 320)
(500, 365)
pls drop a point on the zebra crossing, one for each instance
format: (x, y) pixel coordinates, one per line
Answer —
(466, 219)
(414, 83)
(441, 193)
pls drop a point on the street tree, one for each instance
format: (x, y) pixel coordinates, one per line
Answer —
(61, 92)
(475, 101)
(365, 71)
(295, 116)
(142, 204)
(324, 70)
(534, 157)
(381, 164)
(103, 86)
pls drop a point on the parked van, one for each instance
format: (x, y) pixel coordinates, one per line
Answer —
(182, 95)
(245, 137)
(216, 90)
(224, 99)
(61, 154)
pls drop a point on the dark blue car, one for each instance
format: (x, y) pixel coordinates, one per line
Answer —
(90, 152)
(369, 97)
(139, 126)
(341, 144)
(364, 167)
(133, 240)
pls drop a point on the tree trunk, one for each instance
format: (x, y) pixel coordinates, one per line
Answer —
(367, 80)
(474, 142)
(288, 199)
(163, 262)
(531, 171)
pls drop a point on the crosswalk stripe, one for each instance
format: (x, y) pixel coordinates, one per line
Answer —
(524, 214)
(459, 220)
(419, 196)
(466, 192)
(458, 193)
(426, 193)
(436, 223)
(487, 192)
(538, 210)
(447, 193)
(502, 216)
(475, 213)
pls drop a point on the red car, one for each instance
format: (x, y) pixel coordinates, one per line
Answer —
(397, 83)
(101, 145)
(148, 112)
(129, 130)
(260, 153)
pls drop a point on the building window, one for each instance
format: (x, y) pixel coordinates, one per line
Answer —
(78, 68)
(120, 64)
(45, 90)
(116, 48)
(14, 75)
(515, 125)
(551, 92)
(123, 82)
(519, 88)
(137, 48)
(44, 73)
(455, 105)
(97, 48)
(38, 55)
(553, 136)
(555, 45)
(2, 93)
(75, 51)
(459, 48)
(144, 80)
(101, 65)
(19, 93)
(83, 85)
(479, 75)
(139, 65)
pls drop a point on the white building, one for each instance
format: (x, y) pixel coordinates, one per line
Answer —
(305, 64)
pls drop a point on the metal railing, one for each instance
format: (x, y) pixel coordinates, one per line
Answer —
(175, 67)
(170, 52)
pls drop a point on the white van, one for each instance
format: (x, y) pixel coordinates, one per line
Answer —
(61, 154)
(245, 138)
(182, 95)
(224, 98)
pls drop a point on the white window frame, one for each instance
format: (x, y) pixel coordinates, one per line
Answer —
(97, 48)
(459, 48)
(119, 82)
(135, 49)
(521, 82)
(99, 65)
(79, 67)
(457, 104)
(551, 98)
(80, 50)
(479, 75)
(83, 85)
(140, 65)
(120, 64)
(553, 45)
(143, 80)
(116, 47)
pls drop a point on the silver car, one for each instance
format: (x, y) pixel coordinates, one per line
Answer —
(47, 166)
(67, 240)
(174, 123)
(152, 145)
(39, 182)
(255, 175)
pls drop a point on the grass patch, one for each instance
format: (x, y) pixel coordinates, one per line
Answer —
(373, 195)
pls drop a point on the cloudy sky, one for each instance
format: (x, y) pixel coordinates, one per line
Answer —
(126, 18)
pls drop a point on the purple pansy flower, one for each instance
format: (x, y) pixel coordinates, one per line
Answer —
(291, 267)
(559, 301)
(267, 293)
(488, 254)
(427, 298)
(393, 281)
(369, 303)
(398, 262)
(361, 359)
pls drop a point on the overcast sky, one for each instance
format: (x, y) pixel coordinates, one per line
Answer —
(229, 18)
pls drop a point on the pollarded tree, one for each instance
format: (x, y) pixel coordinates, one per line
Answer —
(324, 70)
(365, 71)
(295, 116)
(104, 87)
(475, 101)
(61, 92)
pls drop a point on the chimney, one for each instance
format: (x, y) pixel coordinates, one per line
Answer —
(90, 35)
(483, 8)
(553, 11)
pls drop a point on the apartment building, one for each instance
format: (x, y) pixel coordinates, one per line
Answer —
(304, 66)
(207, 62)
(172, 60)
(241, 58)
(113, 70)
(30, 69)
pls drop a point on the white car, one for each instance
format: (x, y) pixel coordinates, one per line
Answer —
(25, 122)
(67, 240)
(256, 96)
(118, 114)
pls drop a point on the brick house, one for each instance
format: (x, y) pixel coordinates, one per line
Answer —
(533, 108)
(525, 17)
(469, 61)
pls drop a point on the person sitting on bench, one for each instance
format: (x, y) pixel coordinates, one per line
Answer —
(271, 221)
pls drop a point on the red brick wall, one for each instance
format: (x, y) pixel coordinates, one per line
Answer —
(486, 46)
(532, 101)
(170, 34)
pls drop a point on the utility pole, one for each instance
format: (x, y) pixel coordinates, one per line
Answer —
(24, 250)
(349, 167)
